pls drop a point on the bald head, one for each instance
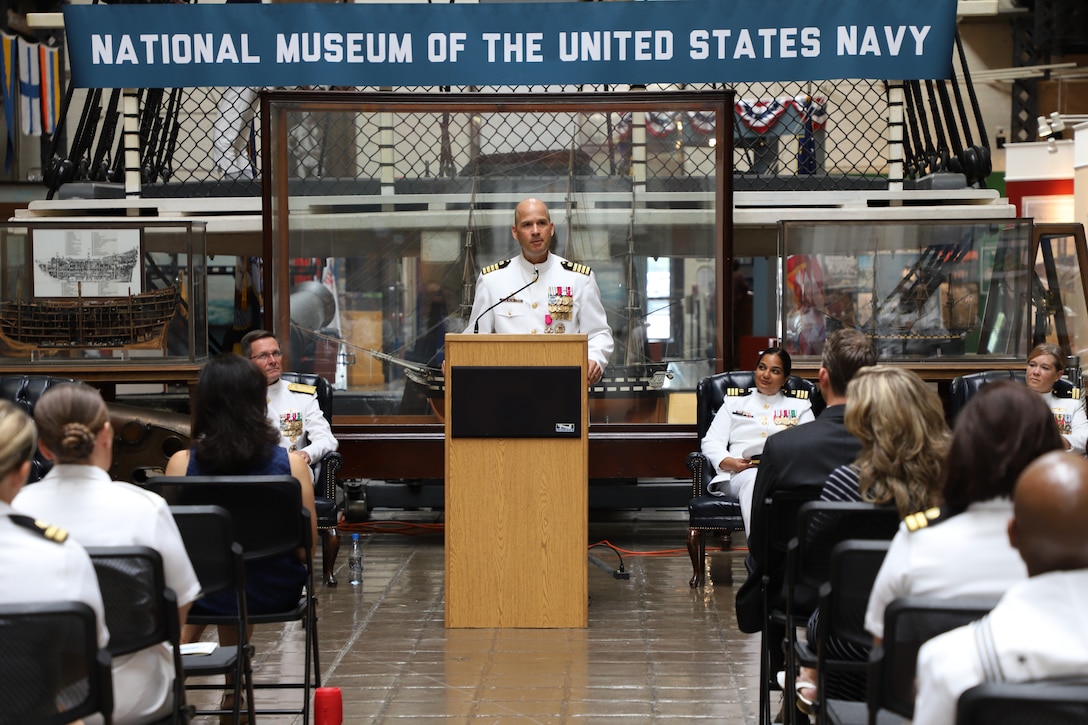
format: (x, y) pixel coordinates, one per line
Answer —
(1050, 523)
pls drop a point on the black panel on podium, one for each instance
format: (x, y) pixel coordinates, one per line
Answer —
(516, 402)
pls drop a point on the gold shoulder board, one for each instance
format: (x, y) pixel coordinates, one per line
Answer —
(497, 265)
(576, 267)
(47, 531)
(300, 388)
(922, 519)
(799, 394)
(737, 392)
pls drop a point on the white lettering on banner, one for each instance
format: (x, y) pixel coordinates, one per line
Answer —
(872, 43)
(791, 42)
(338, 48)
(169, 48)
(516, 47)
(442, 48)
(604, 45)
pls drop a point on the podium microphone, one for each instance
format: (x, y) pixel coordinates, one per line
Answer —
(507, 298)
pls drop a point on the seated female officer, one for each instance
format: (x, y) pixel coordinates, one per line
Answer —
(737, 434)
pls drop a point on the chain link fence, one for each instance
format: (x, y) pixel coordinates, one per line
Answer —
(205, 142)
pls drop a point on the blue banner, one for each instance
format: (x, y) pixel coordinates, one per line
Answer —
(668, 41)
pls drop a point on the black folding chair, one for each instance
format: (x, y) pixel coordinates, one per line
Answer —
(909, 623)
(269, 521)
(782, 510)
(844, 597)
(219, 562)
(1046, 702)
(141, 611)
(51, 668)
(821, 526)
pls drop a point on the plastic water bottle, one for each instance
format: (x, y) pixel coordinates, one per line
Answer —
(355, 560)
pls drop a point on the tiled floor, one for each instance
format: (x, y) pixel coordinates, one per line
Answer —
(655, 649)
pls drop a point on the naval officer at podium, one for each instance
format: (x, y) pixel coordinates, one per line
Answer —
(538, 292)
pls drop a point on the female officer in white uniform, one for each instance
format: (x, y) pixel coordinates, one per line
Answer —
(737, 434)
(1045, 365)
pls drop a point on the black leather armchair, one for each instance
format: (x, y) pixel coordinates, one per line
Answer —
(24, 391)
(707, 512)
(963, 387)
(325, 483)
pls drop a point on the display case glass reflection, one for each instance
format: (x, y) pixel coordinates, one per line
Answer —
(380, 262)
(91, 292)
(918, 289)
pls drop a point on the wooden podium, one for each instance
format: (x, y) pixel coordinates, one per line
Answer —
(516, 481)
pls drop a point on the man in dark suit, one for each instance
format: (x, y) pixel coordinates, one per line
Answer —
(796, 458)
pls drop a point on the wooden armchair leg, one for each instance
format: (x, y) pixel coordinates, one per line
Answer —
(697, 552)
(330, 547)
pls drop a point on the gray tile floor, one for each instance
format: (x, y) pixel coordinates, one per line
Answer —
(655, 649)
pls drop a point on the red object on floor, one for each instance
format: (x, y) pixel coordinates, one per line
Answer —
(328, 706)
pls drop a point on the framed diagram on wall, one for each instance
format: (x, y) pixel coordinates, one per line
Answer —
(86, 262)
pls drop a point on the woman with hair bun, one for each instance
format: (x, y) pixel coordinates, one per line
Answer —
(78, 494)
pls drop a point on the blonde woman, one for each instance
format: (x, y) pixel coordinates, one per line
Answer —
(904, 438)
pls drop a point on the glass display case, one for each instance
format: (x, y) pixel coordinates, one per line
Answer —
(79, 297)
(922, 290)
(372, 262)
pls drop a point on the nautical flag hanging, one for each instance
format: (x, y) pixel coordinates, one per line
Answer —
(30, 89)
(49, 72)
(9, 48)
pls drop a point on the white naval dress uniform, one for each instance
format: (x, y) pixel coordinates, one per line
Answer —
(98, 511)
(1070, 417)
(739, 429)
(294, 410)
(1038, 631)
(563, 299)
(964, 555)
(46, 565)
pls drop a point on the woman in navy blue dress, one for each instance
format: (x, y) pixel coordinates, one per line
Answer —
(233, 436)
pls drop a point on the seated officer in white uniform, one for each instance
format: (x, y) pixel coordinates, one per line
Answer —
(38, 562)
(292, 407)
(1039, 629)
(538, 292)
(1045, 365)
(734, 441)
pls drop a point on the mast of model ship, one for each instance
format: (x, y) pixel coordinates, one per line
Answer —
(636, 332)
(469, 272)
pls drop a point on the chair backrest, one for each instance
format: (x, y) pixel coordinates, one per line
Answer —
(909, 623)
(964, 387)
(782, 509)
(24, 391)
(49, 657)
(844, 598)
(217, 558)
(140, 609)
(324, 389)
(710, 393)
(266, 511)
(853, 566)
(821, 526)
(1046, 702)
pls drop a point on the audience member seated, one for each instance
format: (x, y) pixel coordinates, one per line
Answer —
(38, 562)
(78, 494)
(1039, 629)
(735, 439)
(961, 548)
(900, 423)
(803, 456)
(1045, 365)
(232, 436)
(292, 407)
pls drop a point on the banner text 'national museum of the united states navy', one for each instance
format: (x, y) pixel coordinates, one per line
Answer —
(668, 41)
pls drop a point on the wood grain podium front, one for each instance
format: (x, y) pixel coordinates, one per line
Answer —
(516, 507)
